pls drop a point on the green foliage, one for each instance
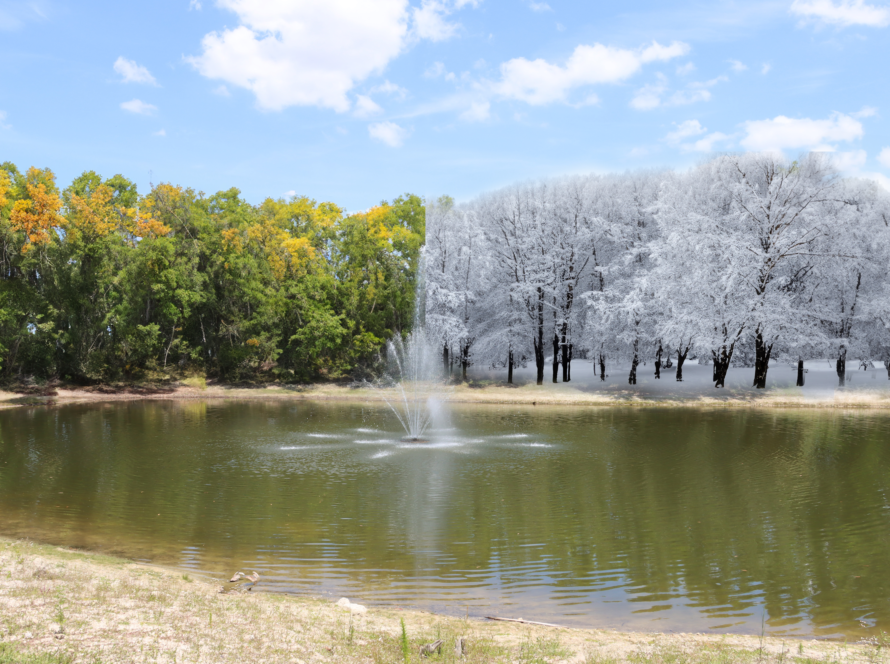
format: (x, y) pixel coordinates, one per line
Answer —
(403, 642)
(98, 283)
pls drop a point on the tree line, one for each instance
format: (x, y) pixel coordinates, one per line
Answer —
(741, 260)
(100, 283)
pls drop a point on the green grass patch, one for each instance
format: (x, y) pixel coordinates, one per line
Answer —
(11, 655)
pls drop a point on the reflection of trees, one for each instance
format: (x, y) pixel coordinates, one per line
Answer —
(670, 505)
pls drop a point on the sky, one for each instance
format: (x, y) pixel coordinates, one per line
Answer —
(359, 101)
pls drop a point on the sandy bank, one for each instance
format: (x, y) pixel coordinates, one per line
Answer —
(81, 607)
(496, 393)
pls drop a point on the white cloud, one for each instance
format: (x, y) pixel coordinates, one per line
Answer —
(737, 65)
(690, 129)
(782, 133)
(539, 6)
(290, 194)
(222, 91)
(842, 13)
(850, 161)
(434, 70)
(389, 133)
(160, 132)
(684, 97)
(707, 143)
(304, 53)
(139, 107)
(540, 82)
(132, 72)
(685, 130)
(688, 68)
(765, 68)
(3, 124)
(883, 157)
(365, 107)
(430, 22)
(650, 96)
(15, 14)
(389, 88)
(478, 112)
(866, 112)
(195, 4)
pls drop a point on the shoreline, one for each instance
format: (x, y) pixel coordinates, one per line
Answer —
(495, 394)
(80, 606)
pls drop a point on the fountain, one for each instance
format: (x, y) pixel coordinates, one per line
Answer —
(417, 384)
(415, 372)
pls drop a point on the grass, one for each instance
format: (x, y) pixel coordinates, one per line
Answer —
(10, 655)
(60, 607)
(197, 382)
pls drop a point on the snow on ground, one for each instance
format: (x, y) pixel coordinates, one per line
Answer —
(821, 379)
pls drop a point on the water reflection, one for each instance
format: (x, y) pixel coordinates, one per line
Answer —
(644, 519)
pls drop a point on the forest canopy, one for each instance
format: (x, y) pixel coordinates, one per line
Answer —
(100, 283)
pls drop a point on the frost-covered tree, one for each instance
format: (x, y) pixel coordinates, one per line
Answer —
(744, 258)
(455, 257)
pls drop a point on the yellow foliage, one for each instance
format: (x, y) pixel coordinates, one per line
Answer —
(4, 188)
(302, 215)
(231, 239)
(38, 214)
(376, 219)
(94, 217)
(299, 249)
(252, 342)
(147, 226)
(285, 254)
(97, 216)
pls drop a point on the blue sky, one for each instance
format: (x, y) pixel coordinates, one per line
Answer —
(355, 101)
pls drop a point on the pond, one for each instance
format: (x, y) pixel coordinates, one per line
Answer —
(633, 518)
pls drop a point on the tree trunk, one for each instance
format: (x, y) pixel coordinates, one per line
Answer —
(571, 354)
(681, 358)
(565, 357)
(539, 342)
(464, 360)
(555, 357)
(445, 366)
(510, 367)
(602, 367)
(632, 378)
(721, 363)
(800, 372)
(841, 366)
(762, 352)
(658, 362)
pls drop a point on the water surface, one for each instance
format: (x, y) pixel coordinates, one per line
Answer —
(650, 519)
